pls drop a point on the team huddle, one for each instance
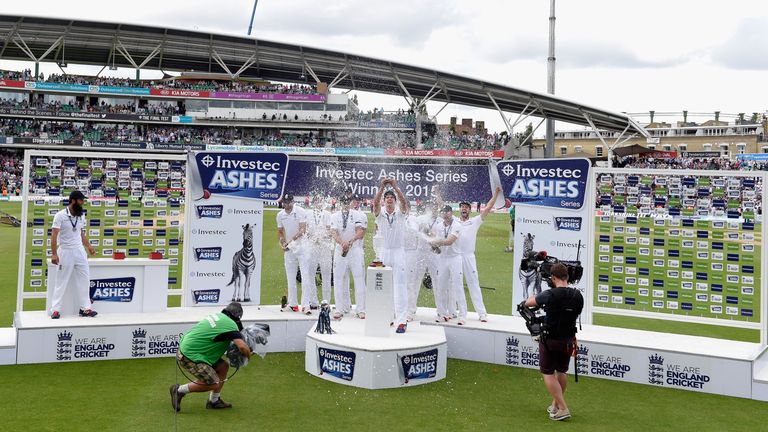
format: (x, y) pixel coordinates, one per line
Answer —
(429, 240)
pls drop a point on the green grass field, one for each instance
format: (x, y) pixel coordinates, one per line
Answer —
(276, 393)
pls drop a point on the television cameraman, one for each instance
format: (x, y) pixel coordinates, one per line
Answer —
(563, 306)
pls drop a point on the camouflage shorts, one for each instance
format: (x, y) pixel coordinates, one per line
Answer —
(202, 371)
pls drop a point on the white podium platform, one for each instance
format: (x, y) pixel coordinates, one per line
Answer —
(139, 335)
(351, 358)
(7, 346)
(119, 286)
(666, 360)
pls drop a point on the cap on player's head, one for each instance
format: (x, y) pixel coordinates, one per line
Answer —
(287, 198)
(76, 195)
(465, 203)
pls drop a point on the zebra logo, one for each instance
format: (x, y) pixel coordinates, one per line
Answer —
(530, 278)
(243, 264)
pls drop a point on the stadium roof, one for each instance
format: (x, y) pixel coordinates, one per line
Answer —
(145, 47)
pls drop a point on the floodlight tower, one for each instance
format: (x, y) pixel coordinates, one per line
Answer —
(549, 147)
(253, 13)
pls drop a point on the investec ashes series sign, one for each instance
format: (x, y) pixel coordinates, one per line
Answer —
(337, 363)
(421, 365)
(113, 289)
(559, 183)
(250, 175)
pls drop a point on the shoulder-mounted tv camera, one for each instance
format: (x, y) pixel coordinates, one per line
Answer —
(542, 263)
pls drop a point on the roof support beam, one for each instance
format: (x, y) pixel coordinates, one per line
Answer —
(124, 52)
(158, 49)
(339, 77)
(10, 36)
(248, 63)
(311, 72)
(501, 113)
(588, 118)
(215, 55)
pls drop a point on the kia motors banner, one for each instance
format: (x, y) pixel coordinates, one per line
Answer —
(453, 183)
(550, 220)
(225, 193)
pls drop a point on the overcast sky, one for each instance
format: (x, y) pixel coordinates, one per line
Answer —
(701, 56)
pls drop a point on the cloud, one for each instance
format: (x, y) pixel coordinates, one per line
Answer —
(406, 22)
(747, 48)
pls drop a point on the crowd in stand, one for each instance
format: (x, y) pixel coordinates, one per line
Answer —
(163, 108)
(227, 86)
(690, 163)
(11, 171)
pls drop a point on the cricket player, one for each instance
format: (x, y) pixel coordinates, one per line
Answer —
(420, 256)
(355, 203)
(321, 250)
(449, 267)
(466, 245)
(67, 242)
(391, 222)
(291, 228)
(348, 231)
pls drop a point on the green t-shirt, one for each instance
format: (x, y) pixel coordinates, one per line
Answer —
(198, 345)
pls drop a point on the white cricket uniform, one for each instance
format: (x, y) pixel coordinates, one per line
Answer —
(321, 254)
(420, 258)
(296, 257)
(346, 225)
(449, 271)
(392, 227)
(466, 244)
(74, 273)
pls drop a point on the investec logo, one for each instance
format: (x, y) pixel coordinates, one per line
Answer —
(232, 174)
(113, 290)
(209, 211)
(340, 364)
(208, 254)
(421, 365)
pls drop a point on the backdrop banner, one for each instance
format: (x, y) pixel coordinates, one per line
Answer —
(417, 181)
(550, 216)
(225, 196)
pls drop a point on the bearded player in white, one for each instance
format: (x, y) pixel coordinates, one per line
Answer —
(321, 250)
(449, 268)
(466, 245)
(291, 228)
(391, 222)
(348, 231)
(420, 256)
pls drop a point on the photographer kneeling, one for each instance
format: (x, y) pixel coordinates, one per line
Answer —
(563, 306)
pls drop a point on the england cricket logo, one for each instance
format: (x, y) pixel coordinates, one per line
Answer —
(512, 354)
(656, 369)
(582, 360)
(64, 346)
(243, 264)
(139, 343)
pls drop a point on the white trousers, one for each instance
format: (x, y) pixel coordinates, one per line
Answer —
(293, 262)
(322, 256)
(469, 266)
(416, 263)
(352, 263)
(450, 285)
(395, 258)
(73, 275)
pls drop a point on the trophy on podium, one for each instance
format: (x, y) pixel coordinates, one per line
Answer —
(378, 245)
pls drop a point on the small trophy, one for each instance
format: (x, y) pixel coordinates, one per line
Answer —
(324, 319)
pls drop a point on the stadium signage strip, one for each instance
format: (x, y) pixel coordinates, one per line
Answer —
(142, 91)
(362, 151)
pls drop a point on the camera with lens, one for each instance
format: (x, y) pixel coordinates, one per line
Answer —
(536, 324)
(542, 263)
